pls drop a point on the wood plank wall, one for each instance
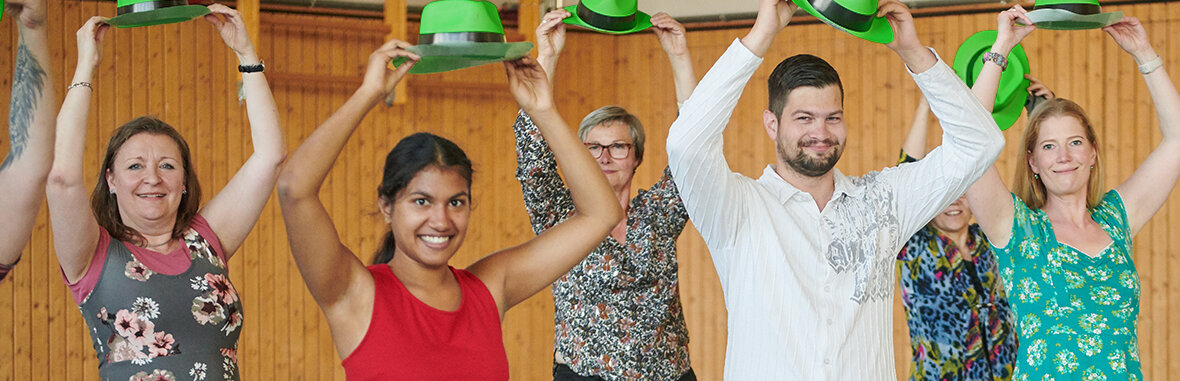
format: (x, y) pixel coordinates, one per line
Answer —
(184, 74)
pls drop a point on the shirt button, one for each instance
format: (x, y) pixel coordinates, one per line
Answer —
(827, 288)
(827, 361)
(829, 321)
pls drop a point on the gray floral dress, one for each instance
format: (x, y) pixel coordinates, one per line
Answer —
(618, 313)
(151, 326)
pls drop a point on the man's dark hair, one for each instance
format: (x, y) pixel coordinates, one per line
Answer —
(798, 71)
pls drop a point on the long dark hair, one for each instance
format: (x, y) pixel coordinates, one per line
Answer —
(411, 155)
(106, 207)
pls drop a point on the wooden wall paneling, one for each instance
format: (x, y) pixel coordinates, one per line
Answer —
(8, 305)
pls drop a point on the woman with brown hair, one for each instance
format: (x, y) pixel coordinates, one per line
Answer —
(1063, 242)
(147, 263)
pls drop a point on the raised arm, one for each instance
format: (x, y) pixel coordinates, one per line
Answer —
(234, 210)
(336, 278)
(672, 38)
(551, 41)
(1146, 190)
(970, 140)
(512, 275)
(75, 231)
(915, 141)
(989, 198)
(30, 130)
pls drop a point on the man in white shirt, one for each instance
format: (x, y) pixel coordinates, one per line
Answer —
(805, 254)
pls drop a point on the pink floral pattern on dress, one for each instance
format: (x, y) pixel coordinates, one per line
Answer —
(135, 338)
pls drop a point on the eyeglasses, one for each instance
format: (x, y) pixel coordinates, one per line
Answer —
(617, 150)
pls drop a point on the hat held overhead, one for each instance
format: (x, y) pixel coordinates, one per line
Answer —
(1013, 87)
(609, 16)
(1071, 15)
(457, 34)
(857, 17)
(134, 13)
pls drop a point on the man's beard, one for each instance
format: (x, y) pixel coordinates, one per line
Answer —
(811, 166)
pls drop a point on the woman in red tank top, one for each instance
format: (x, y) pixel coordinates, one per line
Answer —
(411, 315)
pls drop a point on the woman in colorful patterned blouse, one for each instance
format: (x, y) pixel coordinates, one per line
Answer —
(148, 267)
(1063, 243)
(617, 313)
(958, 314)
(411, 316)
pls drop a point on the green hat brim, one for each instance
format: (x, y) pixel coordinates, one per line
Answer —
(1060, 19)
(1006, 115)
(169, 15)
(1012, 82)
(879, 31)
(453, 55)
(642, 22)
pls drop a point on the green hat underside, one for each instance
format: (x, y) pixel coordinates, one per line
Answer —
(455, 55)
(1012, 91)
(160, 16)
(1060, 19)
(642, 22)
(877, 29)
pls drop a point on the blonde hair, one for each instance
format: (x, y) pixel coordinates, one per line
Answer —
(1026, 185)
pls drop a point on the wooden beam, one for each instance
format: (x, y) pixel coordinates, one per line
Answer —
(395, 18)
(251, 12)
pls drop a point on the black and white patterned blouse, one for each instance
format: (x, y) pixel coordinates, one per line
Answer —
(618, 313)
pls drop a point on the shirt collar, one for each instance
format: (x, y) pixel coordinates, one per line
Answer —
(784, 190)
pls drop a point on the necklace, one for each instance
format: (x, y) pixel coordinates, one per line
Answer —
(150, 245)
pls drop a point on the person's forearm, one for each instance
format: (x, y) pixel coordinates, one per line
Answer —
(683, 76)
(31, 109)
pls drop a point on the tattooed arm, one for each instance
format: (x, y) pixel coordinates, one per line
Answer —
(30, 130)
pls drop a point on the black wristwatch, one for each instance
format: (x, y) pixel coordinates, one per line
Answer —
(257, 68)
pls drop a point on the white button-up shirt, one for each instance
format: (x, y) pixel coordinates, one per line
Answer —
(809, 293)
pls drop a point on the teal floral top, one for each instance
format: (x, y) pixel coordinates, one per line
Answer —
(1076, 315)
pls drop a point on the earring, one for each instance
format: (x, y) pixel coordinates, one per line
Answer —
(1036, 176)
(112, 192)
(184, 192)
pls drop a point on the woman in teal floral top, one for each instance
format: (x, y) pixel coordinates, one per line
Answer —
(1063, 244)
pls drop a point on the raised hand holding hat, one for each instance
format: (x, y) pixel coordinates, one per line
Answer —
(905, 43)
(1002, 87)
(608, 16)
(1071, 15)
(1131, 36)
(457, 34)
(379, 80)
(232, 28)
(29, 13)
(551, 40)
(773, 16)
(133, 13)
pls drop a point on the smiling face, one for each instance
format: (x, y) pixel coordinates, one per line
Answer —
(618, 171)
(1062, 156)
(148, 180)
(809, 137)
(429, 217)
(954, 218)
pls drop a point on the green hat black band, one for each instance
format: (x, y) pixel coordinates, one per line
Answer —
(434, 38)
(602, 21)
(149, 6)
(845, 17)
(1081, 9)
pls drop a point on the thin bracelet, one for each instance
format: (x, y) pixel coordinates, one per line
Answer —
(80, 84)
(1150, 66)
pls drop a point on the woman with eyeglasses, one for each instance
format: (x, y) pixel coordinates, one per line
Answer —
(618, 313)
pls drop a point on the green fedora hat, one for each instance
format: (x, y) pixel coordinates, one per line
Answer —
(857, 17)
(608, 16)
(457, 34)
(1013, 88)
(1071, 15)
(133, 13)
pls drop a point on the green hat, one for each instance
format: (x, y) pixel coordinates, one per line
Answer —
(457, 34)
(133, 13)
(857, 17)
(1013, 89)
(1071, 15)
(608, 16)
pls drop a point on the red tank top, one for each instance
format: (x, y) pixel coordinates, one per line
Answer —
(410, 340)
